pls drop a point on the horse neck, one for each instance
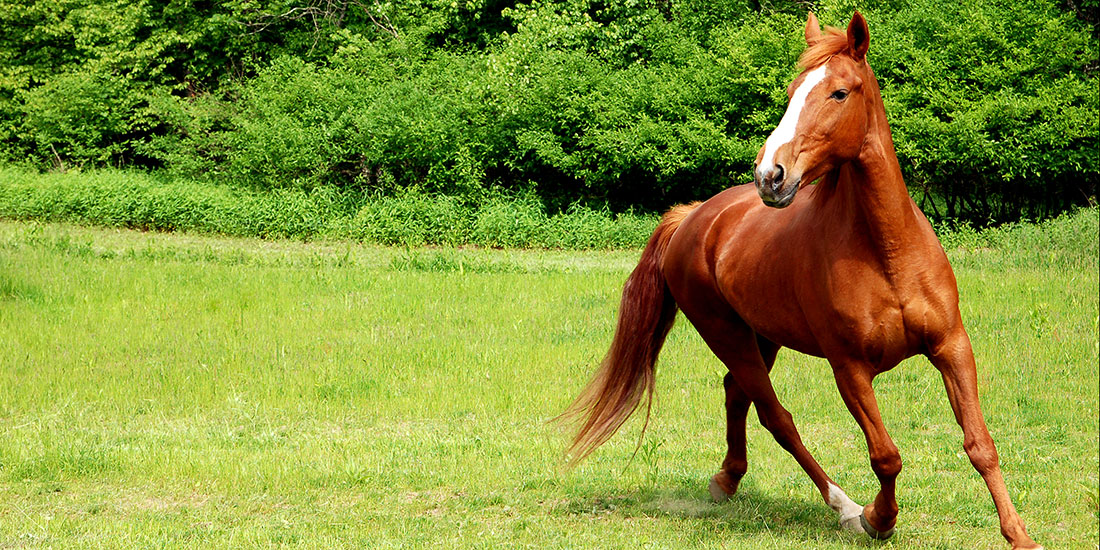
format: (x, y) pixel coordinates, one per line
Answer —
(875, 189)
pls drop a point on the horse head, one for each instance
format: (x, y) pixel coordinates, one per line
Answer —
(828, 116)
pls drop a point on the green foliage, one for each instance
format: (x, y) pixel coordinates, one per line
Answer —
(618, 104)
(97, 59)
(83, 119)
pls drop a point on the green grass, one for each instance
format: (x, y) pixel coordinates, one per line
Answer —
(182, 391)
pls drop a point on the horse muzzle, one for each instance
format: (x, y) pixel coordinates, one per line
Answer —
(774, 187)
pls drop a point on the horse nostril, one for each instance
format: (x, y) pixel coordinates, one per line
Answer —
(778, 177)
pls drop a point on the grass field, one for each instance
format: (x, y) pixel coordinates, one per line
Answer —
(173, 391)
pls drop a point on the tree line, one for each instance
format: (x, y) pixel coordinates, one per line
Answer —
(619, 104)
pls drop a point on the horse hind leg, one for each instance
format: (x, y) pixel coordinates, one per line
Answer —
(737, 347)
(724, 484)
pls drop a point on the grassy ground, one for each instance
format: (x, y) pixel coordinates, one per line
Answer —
(171, 391)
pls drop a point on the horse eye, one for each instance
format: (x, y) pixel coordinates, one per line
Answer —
(839, 95)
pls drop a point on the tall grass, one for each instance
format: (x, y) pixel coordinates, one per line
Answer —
(139, 200)
(1069, 240)
(144, 201)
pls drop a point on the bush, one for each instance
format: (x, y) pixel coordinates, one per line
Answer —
(83, 119)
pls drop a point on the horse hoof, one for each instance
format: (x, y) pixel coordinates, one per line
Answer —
(717, 492)
(872, 532)
(852, 524)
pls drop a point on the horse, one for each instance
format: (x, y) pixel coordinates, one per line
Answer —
(851, 272)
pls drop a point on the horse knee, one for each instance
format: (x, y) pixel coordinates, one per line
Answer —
(982, 453)
(886, 465)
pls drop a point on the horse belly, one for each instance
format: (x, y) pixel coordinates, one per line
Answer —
(841, 309)
(763, 293)
(777, 321)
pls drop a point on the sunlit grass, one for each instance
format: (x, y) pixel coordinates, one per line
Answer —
(174, 391)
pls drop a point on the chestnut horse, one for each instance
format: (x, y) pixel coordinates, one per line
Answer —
(851, 272)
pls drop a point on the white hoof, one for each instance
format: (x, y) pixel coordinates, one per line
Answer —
(848, 511)
(717, 493)
(852, 524)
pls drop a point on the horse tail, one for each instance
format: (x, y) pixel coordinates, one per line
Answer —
(626, 375)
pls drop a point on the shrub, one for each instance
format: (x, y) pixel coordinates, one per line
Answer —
(83, 119)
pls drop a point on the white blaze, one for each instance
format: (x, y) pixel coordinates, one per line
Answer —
(785, 131)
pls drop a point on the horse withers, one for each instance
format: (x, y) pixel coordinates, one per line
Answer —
(851, 271)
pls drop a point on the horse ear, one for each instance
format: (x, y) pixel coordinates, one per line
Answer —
(813, 29)
(859, 37)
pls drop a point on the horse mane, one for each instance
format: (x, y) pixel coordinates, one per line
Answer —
(831, 42)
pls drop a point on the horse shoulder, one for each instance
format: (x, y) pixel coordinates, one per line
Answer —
(930, 297)
(884, 308)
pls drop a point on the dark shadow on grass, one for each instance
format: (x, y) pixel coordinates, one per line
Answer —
(749, 512)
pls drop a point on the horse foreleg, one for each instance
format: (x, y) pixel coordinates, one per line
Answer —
(954, 358)
(854, 382)
(756, 383)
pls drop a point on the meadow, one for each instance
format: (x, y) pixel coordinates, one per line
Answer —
(185, 391)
